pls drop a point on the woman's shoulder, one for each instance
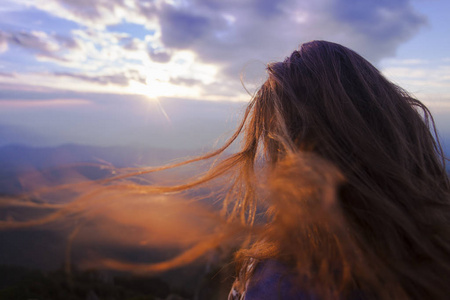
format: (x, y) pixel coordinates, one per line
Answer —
(271, 279)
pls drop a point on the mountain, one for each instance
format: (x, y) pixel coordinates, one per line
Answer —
(18, 162)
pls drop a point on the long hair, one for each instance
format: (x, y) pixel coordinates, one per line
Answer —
(340, 176)
(389, 224)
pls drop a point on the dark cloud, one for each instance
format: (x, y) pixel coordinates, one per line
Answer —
(160, 56)
(217, 5)
(51, 46)
(268, 8)
(100, 13)
(135, 75)
(383, 24)
(66, 42)
(238, 32)
(91, 10)
(181, 28)
(372, 12)
(29, 40)
(231, 33)
(147, 8)
(122, 79)
(130, 43)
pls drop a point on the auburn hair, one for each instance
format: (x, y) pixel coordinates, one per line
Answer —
(387, 229)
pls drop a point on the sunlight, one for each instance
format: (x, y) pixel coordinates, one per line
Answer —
(157, 88)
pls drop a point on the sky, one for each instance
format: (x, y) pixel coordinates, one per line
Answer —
(170, 74)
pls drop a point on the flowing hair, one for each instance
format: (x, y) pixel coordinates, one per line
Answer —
(340, 176)
(387, 230)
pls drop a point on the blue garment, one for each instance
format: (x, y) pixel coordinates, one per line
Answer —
(272, 280)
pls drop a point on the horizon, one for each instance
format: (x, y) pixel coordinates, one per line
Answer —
(168, 73)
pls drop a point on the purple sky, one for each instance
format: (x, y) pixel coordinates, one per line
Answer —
(167, 73)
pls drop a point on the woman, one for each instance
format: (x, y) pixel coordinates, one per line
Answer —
(359, 194)
(339, 190)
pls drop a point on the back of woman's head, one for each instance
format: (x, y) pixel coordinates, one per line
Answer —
(328, 100)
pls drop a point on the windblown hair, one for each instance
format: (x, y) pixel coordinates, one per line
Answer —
(390, 220)
(340, 176)
(388, 228)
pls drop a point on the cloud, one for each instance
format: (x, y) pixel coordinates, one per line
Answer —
(184, 81)
(231, 32)
(268, 8)
(375, 29)
(3, 42)
(160, 56)
(181, 28)
(99, 14)
(130, 44)
(121, 79)
(118, 79)
(41, 43)
(66, 42)
(384, 25)
(83, 10)
(220, 35)
(6, 74)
